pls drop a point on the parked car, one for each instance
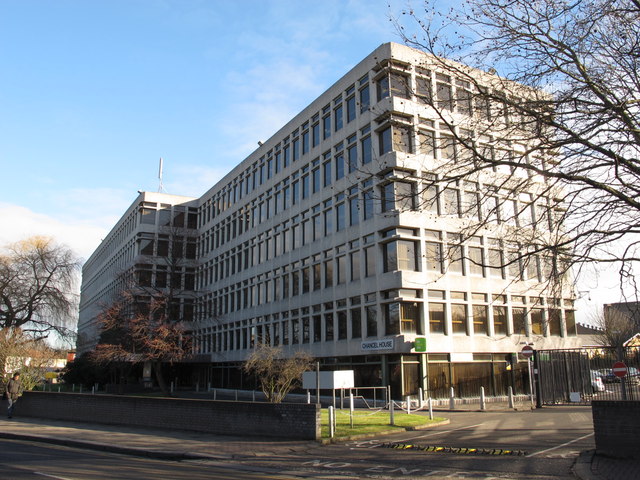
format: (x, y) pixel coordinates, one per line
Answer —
(596, 381)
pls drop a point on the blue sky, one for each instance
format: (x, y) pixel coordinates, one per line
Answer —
(94, 92)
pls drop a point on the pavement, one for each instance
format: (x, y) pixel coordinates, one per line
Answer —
(185, 445)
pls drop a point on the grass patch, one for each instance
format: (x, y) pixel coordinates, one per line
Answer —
(365, 422)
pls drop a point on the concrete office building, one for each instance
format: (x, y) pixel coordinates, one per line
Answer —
(329, 238)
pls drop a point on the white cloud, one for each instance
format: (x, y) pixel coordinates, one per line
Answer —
(20, 223)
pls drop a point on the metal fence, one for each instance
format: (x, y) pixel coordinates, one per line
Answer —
(581, 375)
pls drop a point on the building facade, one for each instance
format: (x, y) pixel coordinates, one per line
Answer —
(333, 238)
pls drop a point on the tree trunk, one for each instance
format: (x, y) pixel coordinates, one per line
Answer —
(157, 368)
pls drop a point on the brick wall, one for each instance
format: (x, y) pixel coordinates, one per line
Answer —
(289, 420)
(617, 427)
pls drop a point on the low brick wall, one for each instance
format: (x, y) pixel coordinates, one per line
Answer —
(617, 427)
(286, 420)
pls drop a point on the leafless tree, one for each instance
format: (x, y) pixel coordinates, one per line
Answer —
(138, 332)
(557, 132)
(615, 328)
(37, 281)
(277, 375)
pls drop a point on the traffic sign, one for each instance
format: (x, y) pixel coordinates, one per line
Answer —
(619, 369)
(420, 345)
(527, 351)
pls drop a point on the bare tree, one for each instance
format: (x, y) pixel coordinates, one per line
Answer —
(277, 375)
(557, 132)
(615, 328)
(138, 332)
(37, 281)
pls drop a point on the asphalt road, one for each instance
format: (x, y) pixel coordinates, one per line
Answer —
(549, 440)
(21, 460)
(529, 445)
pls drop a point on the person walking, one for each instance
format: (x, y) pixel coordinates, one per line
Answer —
(14, 390)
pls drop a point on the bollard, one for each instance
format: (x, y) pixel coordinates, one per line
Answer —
(236, 394)
(420, 399)
(483, 405)
(253, 395)
(93, 390)
(452, 399)
(215, 393)
(308, 397)
(408, 405)
(58, 389)
(332, 430)
(208, 386)
(197, 387)
(430, 409)
(511, 397)
(351, 409)
(73, 387)
(171, 388)
(392, 420)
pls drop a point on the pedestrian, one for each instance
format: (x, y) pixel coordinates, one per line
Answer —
(14, 390)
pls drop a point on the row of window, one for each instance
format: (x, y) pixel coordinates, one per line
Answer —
(324, 323)
(331, 118)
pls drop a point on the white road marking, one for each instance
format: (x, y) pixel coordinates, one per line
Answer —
(558, 446)
(52, 476)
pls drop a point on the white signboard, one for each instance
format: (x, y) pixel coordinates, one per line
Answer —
(378, 345)
(328, 380)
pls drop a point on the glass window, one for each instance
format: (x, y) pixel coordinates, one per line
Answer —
(341, 264)
(339, 166)
(372, 320)
(480, 320)
(500, 320)
(328, 326)
(382, 87)
(519, 320)
(337, 113)
(326, 169)
(367, 204)
(434, 257)
(537, 326)
(555, 328)
(366, 150)
(364, 99)
(459, 318)
(340, 217)
(352, 158)
(351, 108)
(384, 138)
(315, 134)
(436, 318)
(355, 265)
(570, 320)
(316, 180)
(370, 261)
(356, 322)
(342, 325)
(402, 139)
(326, 127)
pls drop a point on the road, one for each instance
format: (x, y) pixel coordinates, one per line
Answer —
(548, 440)
(526, 445)
(21, 460)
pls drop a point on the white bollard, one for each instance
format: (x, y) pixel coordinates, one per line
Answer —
(308, 397)
(215, 393)
(408, 405)
(511, 405)
(420, 399)
(332, 430)
(171, 388)
(452, 399)
(483, 405)
(208, 386)
(236, 395)
(392, 420)
(430, 409)
(253, 395)
(351, 409)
